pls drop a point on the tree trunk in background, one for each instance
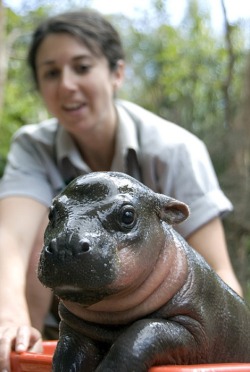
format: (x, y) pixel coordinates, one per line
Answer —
(3, 61)
(230, 67)
(236, 147)
(242, 154)
(238, 185)
(6, 45)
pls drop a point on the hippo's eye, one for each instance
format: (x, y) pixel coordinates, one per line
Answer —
(52, 215)
(128, 216)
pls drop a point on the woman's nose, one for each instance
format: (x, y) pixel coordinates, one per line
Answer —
(68, 80)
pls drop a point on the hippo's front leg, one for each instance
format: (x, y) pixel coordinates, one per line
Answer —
(75, 352)
(147, 343)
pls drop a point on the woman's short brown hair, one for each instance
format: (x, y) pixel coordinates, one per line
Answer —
(89, 27)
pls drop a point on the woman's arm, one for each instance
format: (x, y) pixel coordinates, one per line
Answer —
(20, 218)
(210, 242)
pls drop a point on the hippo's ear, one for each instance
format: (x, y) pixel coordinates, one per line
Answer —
(172, 211)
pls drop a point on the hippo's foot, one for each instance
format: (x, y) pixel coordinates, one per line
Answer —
(147, 343)
(75, 352)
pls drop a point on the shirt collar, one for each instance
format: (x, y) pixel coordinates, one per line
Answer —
(67, 149)
(126, 139)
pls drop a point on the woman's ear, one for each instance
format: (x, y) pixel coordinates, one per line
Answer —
(171, 210)
(118, 74)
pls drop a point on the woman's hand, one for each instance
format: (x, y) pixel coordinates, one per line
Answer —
(17, 338)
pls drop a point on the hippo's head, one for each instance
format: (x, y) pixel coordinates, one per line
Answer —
(104, 228)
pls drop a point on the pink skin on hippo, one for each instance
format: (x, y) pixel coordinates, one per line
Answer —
(132, 293)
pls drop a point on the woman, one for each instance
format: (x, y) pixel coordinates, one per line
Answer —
(77, 63)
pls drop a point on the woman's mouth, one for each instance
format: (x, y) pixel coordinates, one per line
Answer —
(71, 107)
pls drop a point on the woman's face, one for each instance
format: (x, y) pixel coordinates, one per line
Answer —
(76, 86)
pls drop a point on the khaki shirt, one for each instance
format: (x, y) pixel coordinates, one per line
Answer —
(170, 160)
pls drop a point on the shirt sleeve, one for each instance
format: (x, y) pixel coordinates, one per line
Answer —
(191, 179)
(27, 172)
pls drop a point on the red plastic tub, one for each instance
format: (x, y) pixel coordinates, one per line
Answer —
(32, 362)
(229, 367)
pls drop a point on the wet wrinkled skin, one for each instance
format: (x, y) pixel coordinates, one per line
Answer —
(133, 293)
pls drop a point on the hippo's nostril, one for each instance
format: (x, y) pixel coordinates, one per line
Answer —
(51, 247)
(48, 249)
(84, 246)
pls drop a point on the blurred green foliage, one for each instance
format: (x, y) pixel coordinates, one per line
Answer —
(179, 72)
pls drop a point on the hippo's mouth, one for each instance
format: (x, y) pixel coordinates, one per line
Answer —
(85, 297)
(68, 292)
(67, 289)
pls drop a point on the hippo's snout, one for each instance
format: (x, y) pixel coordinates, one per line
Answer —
(73, 248)
(84, 260)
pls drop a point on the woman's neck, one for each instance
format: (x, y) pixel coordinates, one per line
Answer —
(98, 148)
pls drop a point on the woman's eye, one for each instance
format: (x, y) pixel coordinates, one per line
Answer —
(82, 69)
(51, 74)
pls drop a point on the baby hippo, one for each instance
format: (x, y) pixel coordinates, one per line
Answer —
(132, 293)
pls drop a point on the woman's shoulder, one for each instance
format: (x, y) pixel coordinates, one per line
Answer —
(40, 132)
(157, 130)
